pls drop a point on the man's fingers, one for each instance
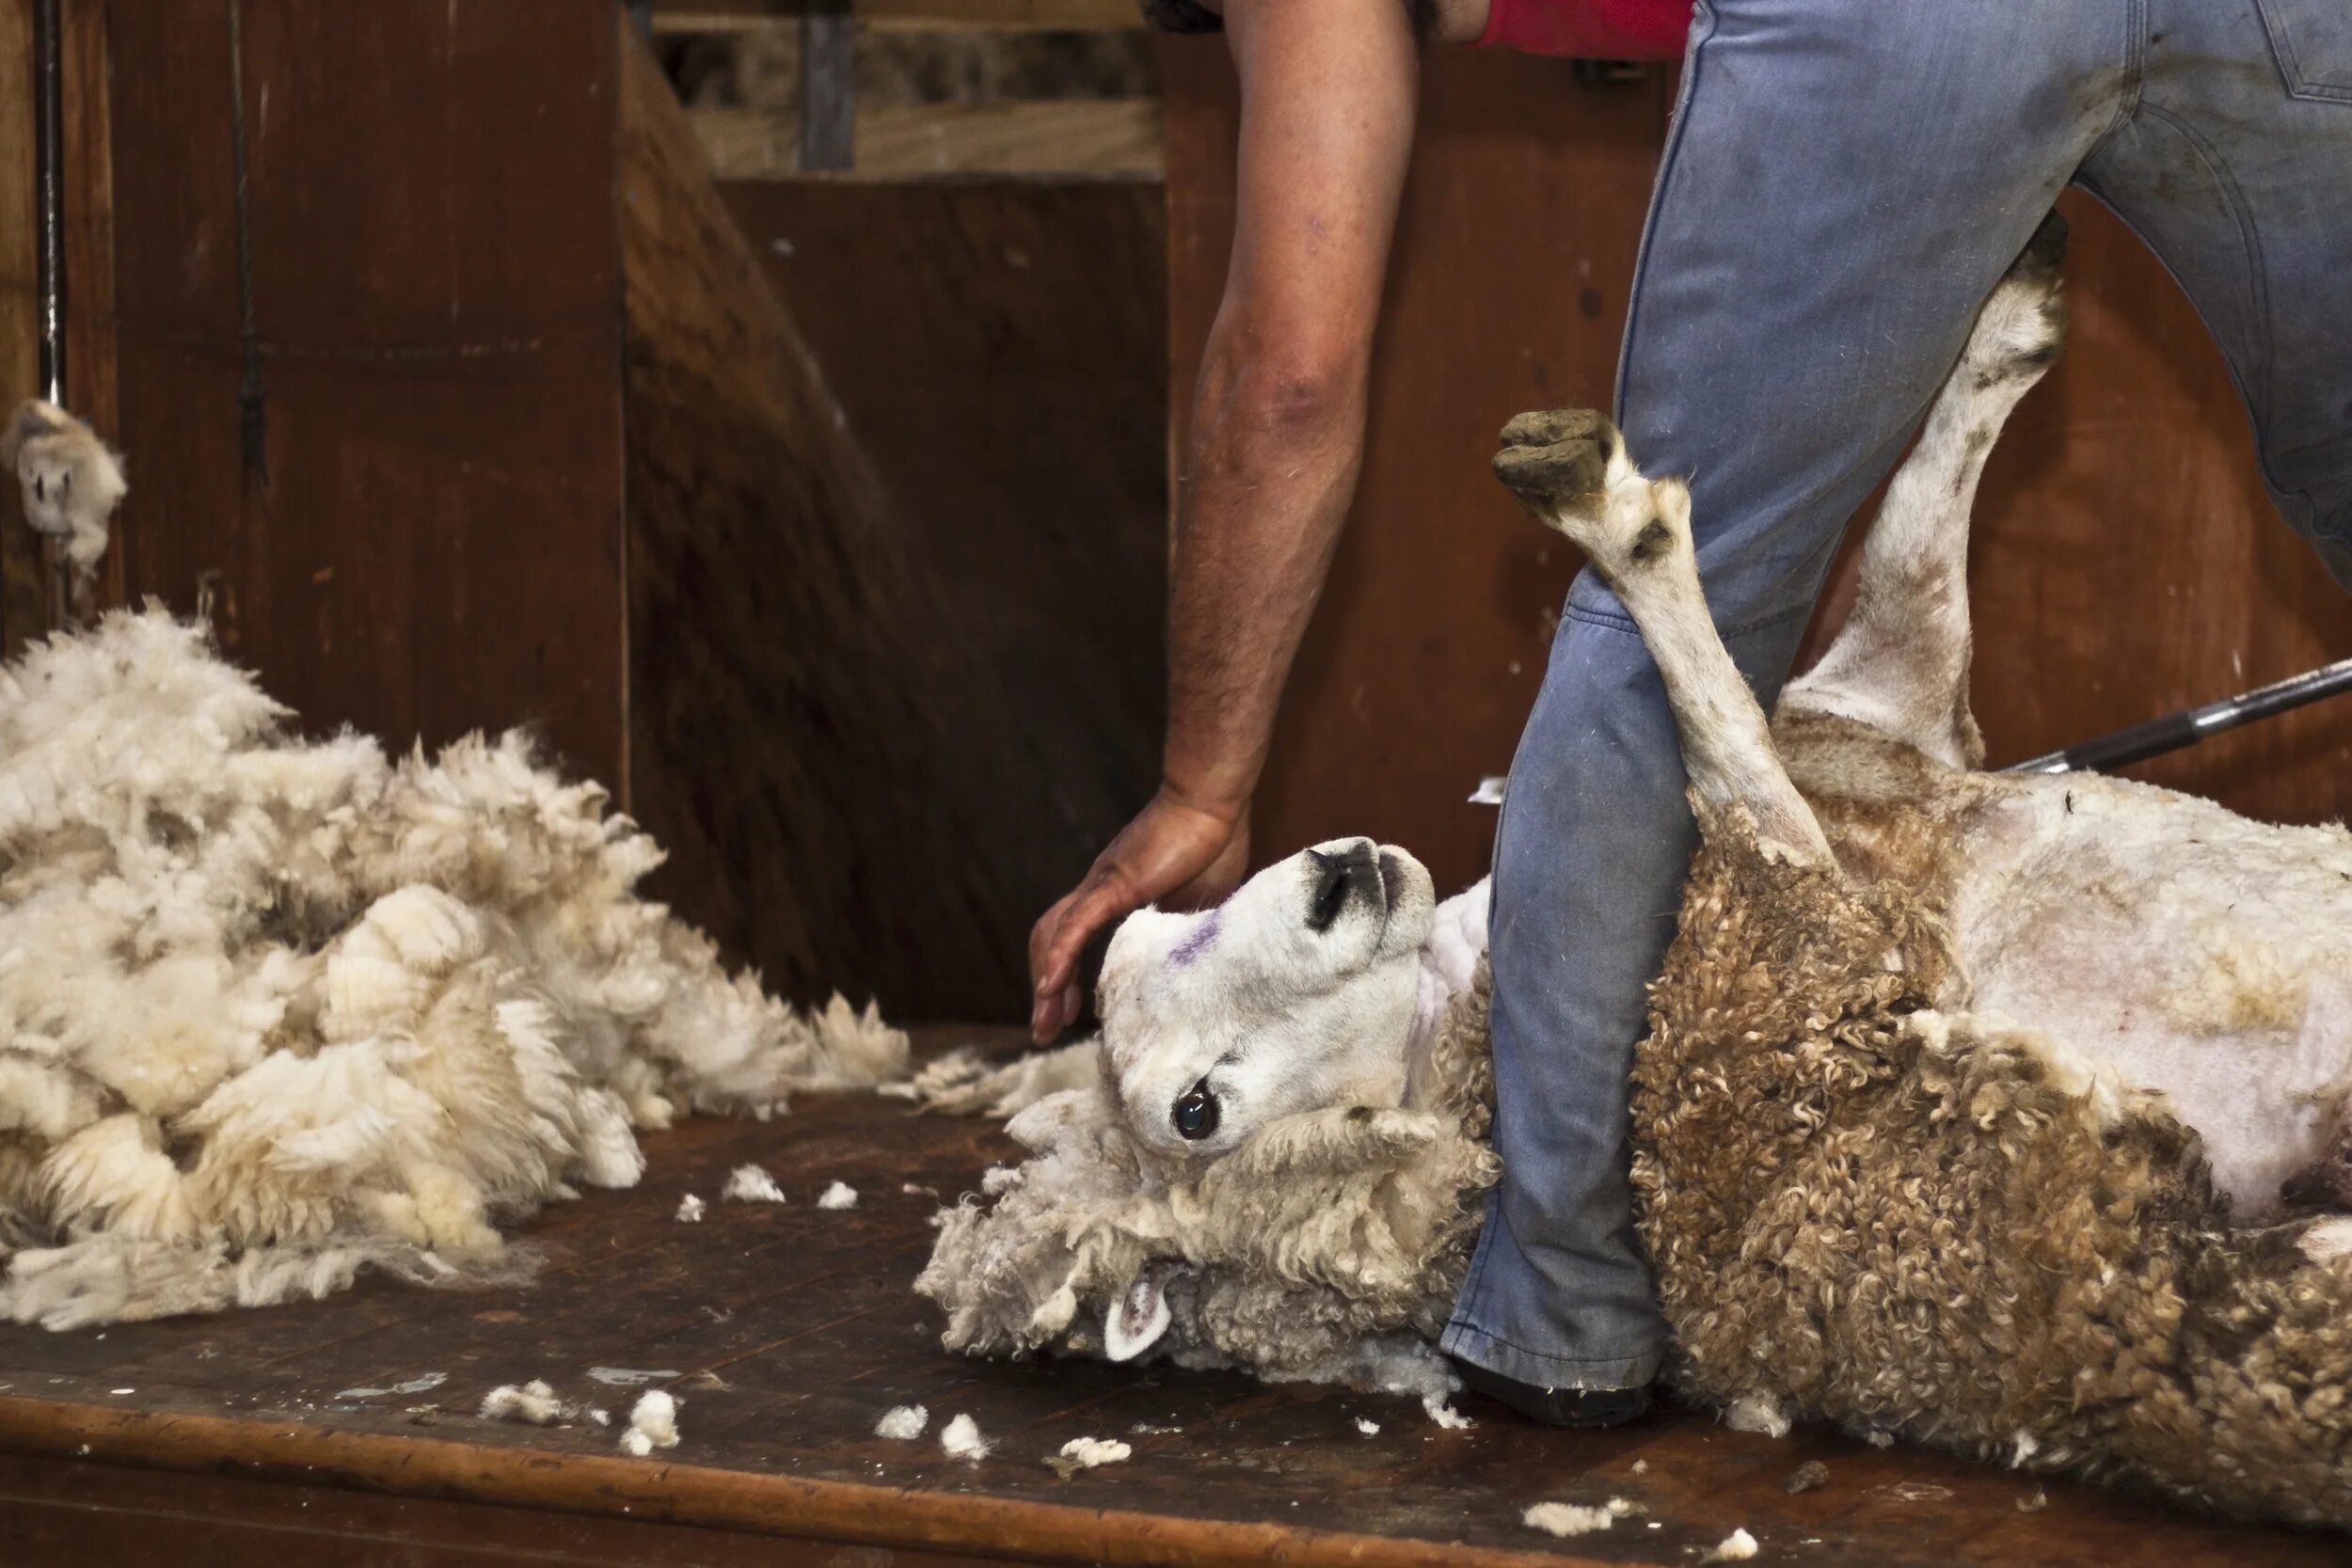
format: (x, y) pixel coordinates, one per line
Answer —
(1051, 1014)
(1068, 925)
(1041, 942)
(1103, 897)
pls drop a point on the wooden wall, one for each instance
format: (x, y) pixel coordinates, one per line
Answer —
(2127, 561)
(24, 596)
(895, 562)
(460, 399)
(997, 349)
(364, 368)
(367, 378)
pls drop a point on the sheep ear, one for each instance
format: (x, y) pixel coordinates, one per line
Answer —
(1137, 1320)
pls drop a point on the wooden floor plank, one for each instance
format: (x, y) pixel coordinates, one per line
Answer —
(809, 1324)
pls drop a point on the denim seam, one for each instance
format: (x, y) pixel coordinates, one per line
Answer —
(1668, 161)
(1609, 622)
(1458, 1324)
(2134, 70)
(2257, 416)
(2258, 279)
(1480, 1255)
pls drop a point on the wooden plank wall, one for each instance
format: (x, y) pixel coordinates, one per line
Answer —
(2127, 561)
(999, 350)
(896, 516)
(24, 596)
(374, 416)
(375, 421)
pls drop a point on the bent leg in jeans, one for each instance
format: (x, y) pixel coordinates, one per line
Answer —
(1845, 182)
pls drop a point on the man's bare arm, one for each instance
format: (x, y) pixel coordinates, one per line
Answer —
(1279, 417)
(1328, 89)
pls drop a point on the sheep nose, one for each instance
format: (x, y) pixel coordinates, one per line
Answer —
(1338, 875)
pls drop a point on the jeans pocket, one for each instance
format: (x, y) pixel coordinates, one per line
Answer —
(2312, 40)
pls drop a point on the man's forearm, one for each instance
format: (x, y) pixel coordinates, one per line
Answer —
(1269, 476)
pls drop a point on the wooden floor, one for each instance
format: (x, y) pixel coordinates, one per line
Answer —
(785, 1331)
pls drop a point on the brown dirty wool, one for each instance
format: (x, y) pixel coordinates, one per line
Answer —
(1901, 1221)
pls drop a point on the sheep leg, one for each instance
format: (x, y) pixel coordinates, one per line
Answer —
(1570, 469)
(1901, 664)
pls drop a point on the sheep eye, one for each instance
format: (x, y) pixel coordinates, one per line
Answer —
(40, 488)
(1195, 1115)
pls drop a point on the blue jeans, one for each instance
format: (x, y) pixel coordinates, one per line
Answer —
(1844, 182)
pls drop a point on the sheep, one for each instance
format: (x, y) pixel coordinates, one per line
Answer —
(273, 1010)
(1886, 1170)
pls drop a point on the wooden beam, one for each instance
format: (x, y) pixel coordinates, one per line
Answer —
(743, 16)
(1076, 136)
(828, 88)
(92, 388)
(24, 587)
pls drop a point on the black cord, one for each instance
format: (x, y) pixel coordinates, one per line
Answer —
(49, 182)
(252, 392)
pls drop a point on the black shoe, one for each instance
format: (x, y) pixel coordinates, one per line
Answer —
(1557, 1407)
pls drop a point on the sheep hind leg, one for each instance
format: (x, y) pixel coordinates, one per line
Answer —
(1900, 663)
(1570, 469)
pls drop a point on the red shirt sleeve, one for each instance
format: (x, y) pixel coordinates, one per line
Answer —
(1589, 29)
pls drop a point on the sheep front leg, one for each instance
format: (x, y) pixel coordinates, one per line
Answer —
(1570, 469)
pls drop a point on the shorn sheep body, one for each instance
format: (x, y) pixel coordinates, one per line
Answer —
(2001, 1114)
(274, 1009)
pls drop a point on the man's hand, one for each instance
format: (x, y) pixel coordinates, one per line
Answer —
(1173, 852)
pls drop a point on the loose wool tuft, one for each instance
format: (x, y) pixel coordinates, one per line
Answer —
(902, 1423)
(273, 1010)
(752, 1184)
(960, 1439)
(1570, 1519)
(534, 1403)
(652, 1424)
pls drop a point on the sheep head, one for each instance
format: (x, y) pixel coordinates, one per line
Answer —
(1297, 993)
(1279, 1163)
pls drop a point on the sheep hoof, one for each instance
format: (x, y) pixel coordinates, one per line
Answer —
(1558, 460)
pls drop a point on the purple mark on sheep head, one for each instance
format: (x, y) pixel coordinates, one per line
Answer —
(1197, 941)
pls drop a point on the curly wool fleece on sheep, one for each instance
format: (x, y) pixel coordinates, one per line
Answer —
(273, 1009)
(1929, 1224)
